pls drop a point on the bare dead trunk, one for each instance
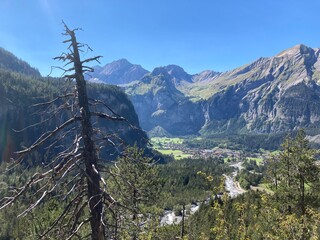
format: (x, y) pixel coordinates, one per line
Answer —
(90, 154)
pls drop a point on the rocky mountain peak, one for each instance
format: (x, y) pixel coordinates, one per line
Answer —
(118, 65)
(160, 71)
(178, 73)
(118, 72)
(295, 65)
(299, 49)
(173, 74)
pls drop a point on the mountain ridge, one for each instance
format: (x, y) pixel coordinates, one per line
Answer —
(272, 94)
(264, 96)
(8, 61)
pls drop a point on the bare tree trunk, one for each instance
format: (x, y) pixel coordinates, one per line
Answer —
(90, 154)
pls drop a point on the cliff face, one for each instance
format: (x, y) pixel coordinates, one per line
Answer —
(274, 94)
(159, 103)
(270, 95)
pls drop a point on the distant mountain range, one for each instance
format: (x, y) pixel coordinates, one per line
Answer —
(274, 94)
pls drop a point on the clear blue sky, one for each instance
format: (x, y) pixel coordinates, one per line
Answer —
(195, 34)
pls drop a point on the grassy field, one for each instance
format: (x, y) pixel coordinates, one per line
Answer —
(161, 143)
(259, 161)
(262, 187)
(275, 152)
(227, 159)
(177, 154)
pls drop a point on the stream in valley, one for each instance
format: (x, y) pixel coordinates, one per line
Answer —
(231, 186)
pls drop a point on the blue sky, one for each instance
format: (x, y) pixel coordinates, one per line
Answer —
(197, 35)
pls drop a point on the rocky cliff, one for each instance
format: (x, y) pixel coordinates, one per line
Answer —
(158, 102)
(275, 94)
(270, 95)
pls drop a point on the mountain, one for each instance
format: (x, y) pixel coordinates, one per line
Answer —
(274, 94)
(158, 102)
(19, 91)
(118, 72)
(8, 61)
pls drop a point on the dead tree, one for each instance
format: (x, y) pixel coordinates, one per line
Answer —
(95, 194)
(77, 166)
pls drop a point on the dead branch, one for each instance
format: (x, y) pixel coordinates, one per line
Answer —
(78, 228)
(92, 59)
(109, 117)
(45, 137)
(62, 215)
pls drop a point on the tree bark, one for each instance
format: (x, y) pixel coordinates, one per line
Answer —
(89, 153)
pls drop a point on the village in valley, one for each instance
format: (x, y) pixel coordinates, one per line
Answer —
(177, 148)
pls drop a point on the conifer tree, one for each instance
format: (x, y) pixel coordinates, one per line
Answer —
(134, 182)
(297, 175)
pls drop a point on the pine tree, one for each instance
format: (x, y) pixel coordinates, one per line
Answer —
(135, 183)
(297, 175)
